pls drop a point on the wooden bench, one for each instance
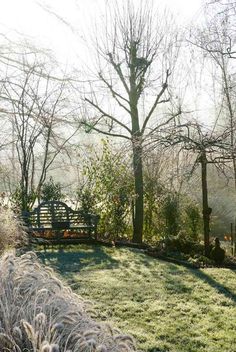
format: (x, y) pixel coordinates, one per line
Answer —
(56, 222)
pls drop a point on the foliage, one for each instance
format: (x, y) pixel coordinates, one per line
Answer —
(21, 200)
(192, 221)
(168, 217)
(38, 313)
(109, 186)
(12, 232)
(87, 198)
(108, 190)
(166, 212)
(51, 191)
(201, 261)
(182, 244)
(171, 214)
(153, 197)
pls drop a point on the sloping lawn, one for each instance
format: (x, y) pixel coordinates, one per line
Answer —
(166, 307)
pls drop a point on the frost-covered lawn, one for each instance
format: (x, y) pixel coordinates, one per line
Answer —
(165, 306)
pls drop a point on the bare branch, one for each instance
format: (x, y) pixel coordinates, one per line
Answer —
(119, 72)
(104, 132)
(108, 115)
(157, 101)
(115, 94)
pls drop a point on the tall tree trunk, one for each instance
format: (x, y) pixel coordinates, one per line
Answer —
(138, 184)
(137, 146)
(206, 211)
(24, 186)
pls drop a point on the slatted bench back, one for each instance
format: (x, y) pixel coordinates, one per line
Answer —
(58, 217)
(49, 214)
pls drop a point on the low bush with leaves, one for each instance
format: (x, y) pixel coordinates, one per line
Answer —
(191, 222)
(22, 200)
(12, 231)
(86, 198)
(39, 314)
(108, 191)
(184, 245)
(51, 190)
(171, 214)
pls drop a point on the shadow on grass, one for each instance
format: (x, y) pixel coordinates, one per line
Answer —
(175, 282)
(75, 258)
(221, 289)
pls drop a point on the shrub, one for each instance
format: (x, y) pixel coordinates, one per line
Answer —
(192, 221)
(184, 245)
(86, 198)
(12, 232)
(154, 222)
(38, 313)
(171, 214)
(108, 190)
(22, 200)
(52, 191)
(201, 261)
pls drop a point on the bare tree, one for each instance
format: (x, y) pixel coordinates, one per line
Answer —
(35, 106)
(217, 41)
(136, 59)
(207, 147)
(227, 7)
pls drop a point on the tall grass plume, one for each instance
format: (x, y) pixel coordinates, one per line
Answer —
(12, 231)
(38, 313)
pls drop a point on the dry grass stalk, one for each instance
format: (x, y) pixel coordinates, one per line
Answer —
(39, 314)
(12, 231)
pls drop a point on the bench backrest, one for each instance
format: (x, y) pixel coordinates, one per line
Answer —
(56, 214)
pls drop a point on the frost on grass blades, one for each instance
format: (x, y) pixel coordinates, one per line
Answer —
(39, 314)
(12, 231)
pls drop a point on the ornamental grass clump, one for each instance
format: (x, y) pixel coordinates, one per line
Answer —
(12, 231)
(39, 314)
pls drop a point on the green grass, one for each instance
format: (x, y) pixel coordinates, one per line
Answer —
(166, 307)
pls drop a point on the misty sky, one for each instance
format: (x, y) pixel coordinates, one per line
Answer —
(35, 21)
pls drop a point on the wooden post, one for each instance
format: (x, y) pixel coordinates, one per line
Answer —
(232, 238)
(206, 211)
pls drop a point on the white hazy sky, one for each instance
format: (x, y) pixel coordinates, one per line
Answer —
(31, 19)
